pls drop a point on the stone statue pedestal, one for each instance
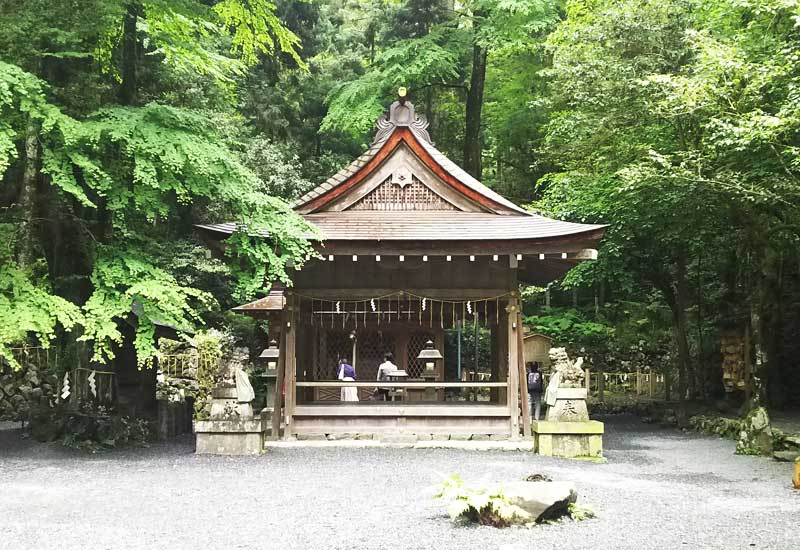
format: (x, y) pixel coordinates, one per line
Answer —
(232, 429)
(567, 431)
(570, 406)
(224, 403)
(568, 439)
(230, 437)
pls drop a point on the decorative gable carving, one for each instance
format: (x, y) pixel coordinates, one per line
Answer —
(402, 176)
(401, 113)
(413, 196)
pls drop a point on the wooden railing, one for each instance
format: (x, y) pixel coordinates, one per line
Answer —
(640, 384)
(382, 384)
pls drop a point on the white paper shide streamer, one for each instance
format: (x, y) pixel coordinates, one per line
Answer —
(65, 386)
(92, 383)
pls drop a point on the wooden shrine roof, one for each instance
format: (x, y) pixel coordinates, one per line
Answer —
(365, 225)
(405, 193)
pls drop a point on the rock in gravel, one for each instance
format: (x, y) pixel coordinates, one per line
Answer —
(793, 440)
(542, 499)
(786, 456)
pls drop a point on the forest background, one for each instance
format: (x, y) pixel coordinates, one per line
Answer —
(676, 122)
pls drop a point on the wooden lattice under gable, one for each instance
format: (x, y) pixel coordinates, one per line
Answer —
(390, 196)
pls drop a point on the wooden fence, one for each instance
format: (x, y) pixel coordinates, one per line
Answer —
(35, 357)
(641, 384)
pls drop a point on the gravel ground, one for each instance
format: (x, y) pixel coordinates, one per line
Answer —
(660, 489)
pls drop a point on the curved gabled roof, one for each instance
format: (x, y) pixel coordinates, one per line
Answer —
(384, 145)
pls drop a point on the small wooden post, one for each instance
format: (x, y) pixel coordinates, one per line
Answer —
(601, 385)
(638, 382)
(588, 382)
(291, 366)
(523, 385)
(651, 378)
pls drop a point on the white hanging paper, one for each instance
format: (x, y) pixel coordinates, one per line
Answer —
(65, 386)
(92, 383)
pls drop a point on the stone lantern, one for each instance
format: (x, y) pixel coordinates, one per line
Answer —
(270, 357)
(430, 355)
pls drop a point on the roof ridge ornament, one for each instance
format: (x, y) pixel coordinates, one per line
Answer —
(401, 113)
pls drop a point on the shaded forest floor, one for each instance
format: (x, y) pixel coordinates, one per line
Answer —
(659, 489)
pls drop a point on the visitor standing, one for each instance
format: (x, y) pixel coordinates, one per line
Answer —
(535, 387)
(347, 373)
(384, 370)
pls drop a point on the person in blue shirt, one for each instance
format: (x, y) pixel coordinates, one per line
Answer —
(347, 373)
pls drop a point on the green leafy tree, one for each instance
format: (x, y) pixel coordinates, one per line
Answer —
(118, 182)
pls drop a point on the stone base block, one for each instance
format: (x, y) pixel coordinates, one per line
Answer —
(230, 437)
(568, 439)
(399, 439)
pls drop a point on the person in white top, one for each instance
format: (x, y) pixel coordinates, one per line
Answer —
(384, 369)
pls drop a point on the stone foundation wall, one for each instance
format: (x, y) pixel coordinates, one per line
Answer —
(24, 390)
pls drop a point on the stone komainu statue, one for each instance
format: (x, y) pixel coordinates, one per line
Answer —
(571, 373)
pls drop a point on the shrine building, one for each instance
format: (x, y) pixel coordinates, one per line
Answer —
(413, 247)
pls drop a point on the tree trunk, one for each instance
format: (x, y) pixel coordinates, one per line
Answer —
(682, 303)
(758, 393)
(130, 53)
(472, 130)
(675, 295)
(679, 330)
(430, 112)
(762, 309)
(27, 195)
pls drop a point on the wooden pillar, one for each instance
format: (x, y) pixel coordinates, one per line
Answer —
(401, 339)
(502, 354)
(513, 372)
(495, 355)
(440, 364)
(588, 381)
(277, 413)
(652, 380)
(523, 381)
(291, 367)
